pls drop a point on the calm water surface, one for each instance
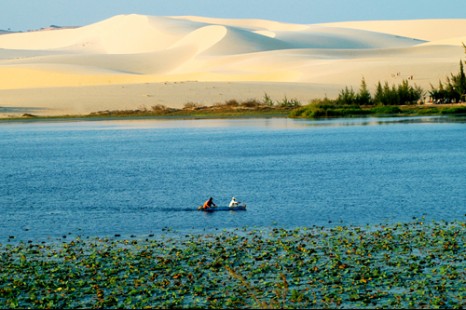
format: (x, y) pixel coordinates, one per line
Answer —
(98, 178)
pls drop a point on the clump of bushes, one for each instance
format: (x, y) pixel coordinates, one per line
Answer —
(350, 103)
(326, 108)
(289, 103)
(266, 104)
(403, 93)
(397, 94)
(454, 110)
(454, 89)
(231, 107)
(385, 110)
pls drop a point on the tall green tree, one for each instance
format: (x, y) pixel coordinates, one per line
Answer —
(459, 83)
(379, 96)
(364, 96)
(347, 96)
(454, 88)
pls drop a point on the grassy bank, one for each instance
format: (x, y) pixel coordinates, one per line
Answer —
(228, 109)
(325, 110)
(409, 265)
(316, 110)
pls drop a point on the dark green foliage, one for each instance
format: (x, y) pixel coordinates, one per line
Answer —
(267, 100)
(461, 110)
(405, 265)
(347, 96)
(408, 94)
(397, 95)
(327, 108)
(386, 110)
(289, 103)
(379, 94)
(400, 94)
(454, 89)
(387, 99)
(364, 96)
(428, 111)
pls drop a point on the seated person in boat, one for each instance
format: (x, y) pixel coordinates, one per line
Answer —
(208, 204)
(234, 202)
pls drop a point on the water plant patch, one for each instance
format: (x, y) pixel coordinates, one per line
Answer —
(405, 265)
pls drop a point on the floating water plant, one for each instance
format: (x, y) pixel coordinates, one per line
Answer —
(409, 265)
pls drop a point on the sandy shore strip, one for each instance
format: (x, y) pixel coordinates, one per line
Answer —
(84, 100)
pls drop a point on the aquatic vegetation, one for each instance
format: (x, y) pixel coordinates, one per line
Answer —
(406, 265)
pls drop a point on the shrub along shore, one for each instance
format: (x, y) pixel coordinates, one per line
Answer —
(404, 265)
(317, 109)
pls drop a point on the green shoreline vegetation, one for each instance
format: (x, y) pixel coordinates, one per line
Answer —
(348, 104)
(317, 109)
(403, 99)
(402, 265)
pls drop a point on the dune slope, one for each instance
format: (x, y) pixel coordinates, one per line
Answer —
(138, 49)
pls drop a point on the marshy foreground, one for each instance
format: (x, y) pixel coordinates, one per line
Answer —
(405, 265)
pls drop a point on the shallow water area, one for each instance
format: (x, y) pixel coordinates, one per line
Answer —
(403, 265)
(144, 177)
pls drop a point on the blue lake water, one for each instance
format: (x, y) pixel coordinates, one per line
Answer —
(137, 177)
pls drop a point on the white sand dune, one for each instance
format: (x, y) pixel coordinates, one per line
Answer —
(429, 29)
(205, 60)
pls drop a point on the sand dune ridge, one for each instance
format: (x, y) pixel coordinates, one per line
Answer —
(133, 49)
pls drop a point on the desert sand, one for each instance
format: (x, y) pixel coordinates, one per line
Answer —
(133, 61)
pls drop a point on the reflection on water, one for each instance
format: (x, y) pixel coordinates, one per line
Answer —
(269, 123)
(370, 121)
(140, 176)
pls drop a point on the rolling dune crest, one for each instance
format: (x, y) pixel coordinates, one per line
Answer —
(131, 50)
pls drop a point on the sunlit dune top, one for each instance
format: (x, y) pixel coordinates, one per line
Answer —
(131, 34)
(139, 49)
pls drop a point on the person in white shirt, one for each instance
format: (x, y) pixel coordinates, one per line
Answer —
(233, 202)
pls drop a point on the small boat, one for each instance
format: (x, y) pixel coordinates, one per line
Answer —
(215, 209)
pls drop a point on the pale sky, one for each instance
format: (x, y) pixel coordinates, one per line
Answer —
(20, 15)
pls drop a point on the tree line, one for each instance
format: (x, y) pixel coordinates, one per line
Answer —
(385, 94)
(452, 90)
